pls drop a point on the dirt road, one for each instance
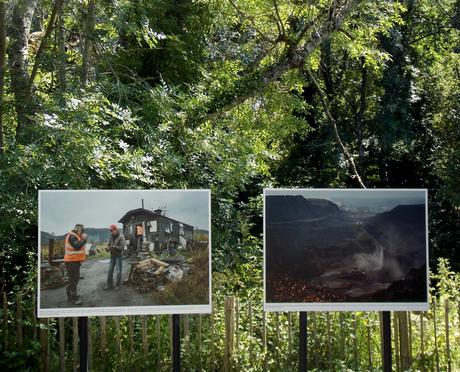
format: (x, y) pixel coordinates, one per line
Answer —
(91, 289)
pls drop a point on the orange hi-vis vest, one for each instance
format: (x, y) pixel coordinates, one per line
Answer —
(139, 230)
(71, 254)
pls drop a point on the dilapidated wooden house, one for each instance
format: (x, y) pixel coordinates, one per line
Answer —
(159, 232)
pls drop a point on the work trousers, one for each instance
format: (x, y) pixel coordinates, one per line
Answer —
(73, 272)
(139, 240)
(114, 261)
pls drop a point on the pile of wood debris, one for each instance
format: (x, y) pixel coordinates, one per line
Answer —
(53, 276)
(152, 274)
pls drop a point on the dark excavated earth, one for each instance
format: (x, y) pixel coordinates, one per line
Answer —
(317, 252)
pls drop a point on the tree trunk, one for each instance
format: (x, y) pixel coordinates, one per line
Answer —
(2, 69)
(18, 60)
(88, 26)
(360, 115)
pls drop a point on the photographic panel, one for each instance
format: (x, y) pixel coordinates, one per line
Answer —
(345, 249)
(124, 252)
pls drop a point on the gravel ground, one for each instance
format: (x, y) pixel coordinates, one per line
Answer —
(91, 289)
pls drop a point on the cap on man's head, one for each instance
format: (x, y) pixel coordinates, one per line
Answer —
(79, 226)
(113, 227)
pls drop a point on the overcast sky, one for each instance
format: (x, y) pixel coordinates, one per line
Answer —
(393, 197)
(61, 210)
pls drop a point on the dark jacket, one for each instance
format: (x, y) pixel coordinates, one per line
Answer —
(75, 243)
(116, 244)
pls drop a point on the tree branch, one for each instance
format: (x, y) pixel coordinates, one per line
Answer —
(41, 48)
(279, 21)
(294, 58)
(253, 24)
(333, 123)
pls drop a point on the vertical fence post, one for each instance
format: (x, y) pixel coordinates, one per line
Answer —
(199, 342)
(187, 353)
(19, 334)
(117, 338)
(369, 341)
(458, 313)
(229, 331)
(90, 345)
(315, 340)
(103, 326)
(5, 321)
(382, 339)
(396, 341)
(131, 334)
(264, 338)
(62, 366)
(404, 340)
(170, 327)
(446, 319)
(277, 341)
(341, 337)
(237, 325)
(158, 332)
(176, 342)
(303, 364)
(386, 335)
(44, 344)
(145, 341)
(83, 335)
(435, 329)
(422, 342)
(329, 341)
(355, 342)
(409, 324)
(34, 318)
(289, 350)
(75, 354)
(250, 330)
(212, 338)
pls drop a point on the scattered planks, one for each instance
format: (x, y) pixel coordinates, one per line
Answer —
(148, 274)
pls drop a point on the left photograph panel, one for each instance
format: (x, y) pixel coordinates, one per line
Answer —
(124, 252)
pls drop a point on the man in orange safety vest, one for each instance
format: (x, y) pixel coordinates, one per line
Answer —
(139, 233)
(74, 255)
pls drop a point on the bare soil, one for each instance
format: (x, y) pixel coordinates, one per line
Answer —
(91, 286)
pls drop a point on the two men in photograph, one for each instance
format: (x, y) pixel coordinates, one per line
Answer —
(74, 255)
(116, 245)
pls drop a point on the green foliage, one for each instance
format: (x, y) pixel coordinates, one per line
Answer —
(447, 282)
(176, 99)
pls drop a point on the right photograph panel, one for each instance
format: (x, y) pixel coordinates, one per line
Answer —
(345, 249)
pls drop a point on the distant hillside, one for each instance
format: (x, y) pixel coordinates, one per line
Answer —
(200, 234)
(401, 230)
(289, 208)
(98, 235)
(304, 234)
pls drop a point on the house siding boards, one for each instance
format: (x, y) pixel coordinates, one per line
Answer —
(158, 229)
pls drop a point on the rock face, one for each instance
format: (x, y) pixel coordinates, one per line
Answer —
(339, 257)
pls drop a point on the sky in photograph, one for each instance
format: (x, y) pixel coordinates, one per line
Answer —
(61, 210)
(388, 198)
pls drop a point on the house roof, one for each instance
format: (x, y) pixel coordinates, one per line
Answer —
(132, 213)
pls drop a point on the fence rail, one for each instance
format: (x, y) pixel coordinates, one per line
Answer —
(238, 335)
